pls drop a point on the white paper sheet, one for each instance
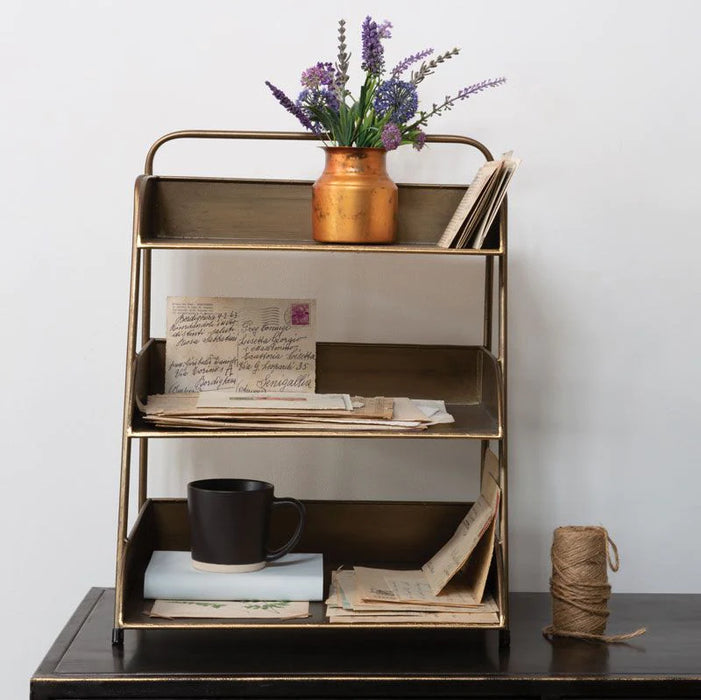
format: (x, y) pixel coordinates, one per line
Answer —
(275, 400)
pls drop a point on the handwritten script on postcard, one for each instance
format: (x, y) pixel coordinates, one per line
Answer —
(262, 345)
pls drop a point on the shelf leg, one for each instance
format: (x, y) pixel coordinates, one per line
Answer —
(117, 637)
(143, 471)
(504, 638)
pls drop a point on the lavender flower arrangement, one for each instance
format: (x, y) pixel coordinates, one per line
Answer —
(386, 113)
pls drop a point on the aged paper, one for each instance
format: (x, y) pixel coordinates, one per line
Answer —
(480, 209)
(270, 401)
(474, 575)
(480, 182)
(275, 609)
(214, 410)
(435, 411)
(248, 345)
(189, 405)
(346, 602)
(288, 423)
(364, 414)
(455, 553)
(406, 409)
(385, 589)
(411, 587)
(471, 618)
(510, 166)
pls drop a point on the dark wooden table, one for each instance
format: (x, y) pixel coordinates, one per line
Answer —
(666, 662)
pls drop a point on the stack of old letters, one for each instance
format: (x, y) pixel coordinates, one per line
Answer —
(250, 364)
(449, 588)
(225, 410)
(382, 595)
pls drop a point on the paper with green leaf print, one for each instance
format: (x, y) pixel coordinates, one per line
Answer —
(250, 609)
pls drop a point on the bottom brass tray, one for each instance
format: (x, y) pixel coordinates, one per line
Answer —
(368, 533)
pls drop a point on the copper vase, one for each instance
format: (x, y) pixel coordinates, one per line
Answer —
(354, 200)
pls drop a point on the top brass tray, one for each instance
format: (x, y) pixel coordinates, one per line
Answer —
(215, 213)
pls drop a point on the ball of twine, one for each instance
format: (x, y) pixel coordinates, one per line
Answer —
(579, 584)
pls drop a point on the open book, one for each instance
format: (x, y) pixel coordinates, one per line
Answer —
(477, 211)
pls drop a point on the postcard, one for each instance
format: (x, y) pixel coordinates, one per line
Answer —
(246, 345)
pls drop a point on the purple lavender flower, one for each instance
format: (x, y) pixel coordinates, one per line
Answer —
(409, 61)
(419, 140)
(342, 62)
(317, 105)
(396, 100)
(463, 94)
(330, 97)
(428, 67)
(320, 74)
(373, 51)
(290, 106)
(387, 113)
(391, 137)
(312, 102)
(478, 87)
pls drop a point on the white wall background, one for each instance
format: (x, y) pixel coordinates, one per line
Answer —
(601, 104)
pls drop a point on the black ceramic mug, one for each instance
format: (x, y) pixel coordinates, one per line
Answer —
(229, 523)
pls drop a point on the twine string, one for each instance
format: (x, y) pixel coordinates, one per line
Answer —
(579, 584)
(609, 541)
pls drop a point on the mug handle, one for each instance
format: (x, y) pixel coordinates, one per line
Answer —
(277, 553)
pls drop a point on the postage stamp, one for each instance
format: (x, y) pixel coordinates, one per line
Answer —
(299, 314)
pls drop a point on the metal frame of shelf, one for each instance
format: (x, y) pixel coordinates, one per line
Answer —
(157, 210)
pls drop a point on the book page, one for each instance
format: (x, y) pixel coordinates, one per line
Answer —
(510, 166)
(481, 207)
(393, 587)
(480, 180)
(476, 570)
(248, 345)
(455, 553)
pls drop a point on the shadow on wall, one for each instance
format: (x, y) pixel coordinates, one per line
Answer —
(535, 366)
(318, 468)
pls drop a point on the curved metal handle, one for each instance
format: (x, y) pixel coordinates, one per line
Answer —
(277, 553)
(208, 134)
(287, 136)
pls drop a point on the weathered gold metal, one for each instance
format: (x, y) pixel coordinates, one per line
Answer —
(227, 214)
(354, 200)
(194, 213)
(367, 533)
(466, 377)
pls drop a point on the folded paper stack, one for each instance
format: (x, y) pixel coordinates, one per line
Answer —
(365, 595)
(448, 588)
(214, 410)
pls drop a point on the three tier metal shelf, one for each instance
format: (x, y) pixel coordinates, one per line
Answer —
(196, 213)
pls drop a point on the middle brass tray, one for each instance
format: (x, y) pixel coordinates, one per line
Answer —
(466, 377)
